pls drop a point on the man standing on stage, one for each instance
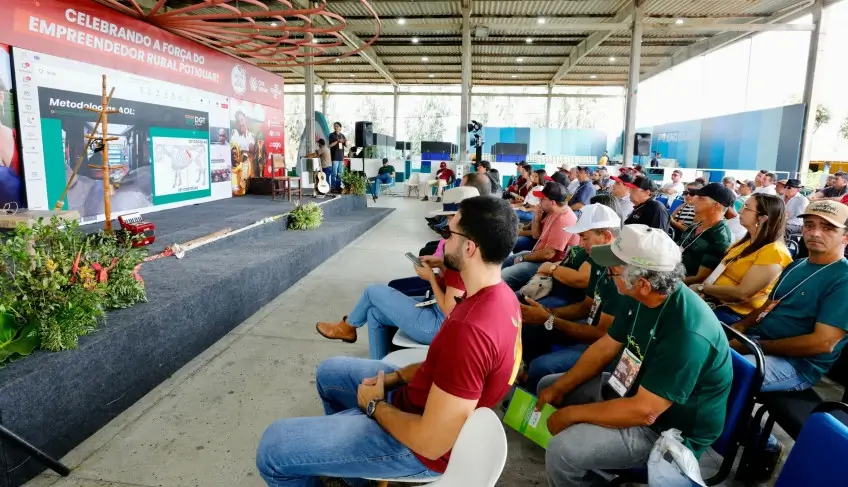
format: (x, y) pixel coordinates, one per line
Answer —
(338, 142)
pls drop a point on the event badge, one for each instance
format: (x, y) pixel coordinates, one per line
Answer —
(715, 275)
(768, 310)
(625, 372)
(596, 303)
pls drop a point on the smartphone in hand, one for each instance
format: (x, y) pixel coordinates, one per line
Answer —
(415, 260)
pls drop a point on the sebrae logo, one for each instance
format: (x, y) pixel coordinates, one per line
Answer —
(238, 78)
(275, 90)
(192, 121)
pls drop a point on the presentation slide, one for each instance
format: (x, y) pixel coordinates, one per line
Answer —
(161, 158)
(11, 193)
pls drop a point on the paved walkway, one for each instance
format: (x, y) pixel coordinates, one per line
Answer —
(201, 427)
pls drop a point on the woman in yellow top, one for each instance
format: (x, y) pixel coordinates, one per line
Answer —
(746, 275)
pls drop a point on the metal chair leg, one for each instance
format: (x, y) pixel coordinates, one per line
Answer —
(42, 457)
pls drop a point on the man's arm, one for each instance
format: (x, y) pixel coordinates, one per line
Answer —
(823, 339)
(701, 276)
(536, 225)
(643, 409)
(598, 356)
(541, 255)
(750, 319)
(585, 333)
(432, 434)
(578, 279)
(577, 206)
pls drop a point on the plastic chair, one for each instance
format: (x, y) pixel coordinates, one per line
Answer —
(402, 340)
(816, 459)
(413, 184)
(478, 456)
(407, 356)
(386, 189)
(747, 381)
(675, 203)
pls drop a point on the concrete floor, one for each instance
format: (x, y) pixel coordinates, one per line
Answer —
(201, 426)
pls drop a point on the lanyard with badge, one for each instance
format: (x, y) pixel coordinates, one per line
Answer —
(774, 302)
(596, 298)
(689, 233)
(630, 363)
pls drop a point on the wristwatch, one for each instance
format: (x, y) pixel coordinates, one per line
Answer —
(549, 323)
(552, 269)
(520, 258)
(700, 288)
(372, 407)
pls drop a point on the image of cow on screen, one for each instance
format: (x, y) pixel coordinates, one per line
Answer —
(10, 169)
(65, 123)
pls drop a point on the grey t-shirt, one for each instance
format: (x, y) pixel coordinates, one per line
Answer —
(794, 207)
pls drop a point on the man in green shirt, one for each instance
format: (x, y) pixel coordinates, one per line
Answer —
(802, 327)
(705, 242)
(673, 368)
(598, 225)
(385, 175)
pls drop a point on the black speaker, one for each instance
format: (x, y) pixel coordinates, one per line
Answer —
(364, 134)
(642, 145)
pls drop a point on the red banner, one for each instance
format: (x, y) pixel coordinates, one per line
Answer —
(85, 31)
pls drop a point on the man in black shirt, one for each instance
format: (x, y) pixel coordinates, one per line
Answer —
(835, 192)
(338, 141)
(646, 210)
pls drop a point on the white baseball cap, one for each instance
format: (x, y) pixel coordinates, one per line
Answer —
(595, 217)
(640, 246)
(452, 197)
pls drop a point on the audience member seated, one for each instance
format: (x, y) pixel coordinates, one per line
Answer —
(621, 192)
(384, 308)
(746, 188)
(584, 191)
(484, 167)
(561, 178)
(385, 175)
(795, 203)
(601, 180)
(646, 210)
(730, 183)
(381, 422)
(598, 225)
(673, 369)
(767, 181)
(551, 242)
(518, 185)
(575, 181)
(704, 244)
(525, 207)
(834, 192)
(802, 325)
(674, 188)
(746, 275)
(444, 177)
(684, 215)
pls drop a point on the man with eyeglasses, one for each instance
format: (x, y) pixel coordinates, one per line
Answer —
(382, 421)
(646, 210)
(550, 217)
(672, 369)
(795, 203)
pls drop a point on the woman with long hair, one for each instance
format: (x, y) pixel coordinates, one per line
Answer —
(746, 275)
(536, 182)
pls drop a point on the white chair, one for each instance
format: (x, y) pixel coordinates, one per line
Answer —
(478, 456)
(407, 356)
(413, 184)
(401, 339)
(387, 189)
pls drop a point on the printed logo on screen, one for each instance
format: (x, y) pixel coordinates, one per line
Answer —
(276, 91)
(239, 79)
(257, 85)
(192, 121)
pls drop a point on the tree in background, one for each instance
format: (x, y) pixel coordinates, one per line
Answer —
(822, 117)
(295, 123)
(574, 113)
(843, 129)
(427, 122)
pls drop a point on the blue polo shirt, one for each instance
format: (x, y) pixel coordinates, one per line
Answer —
(584, 192)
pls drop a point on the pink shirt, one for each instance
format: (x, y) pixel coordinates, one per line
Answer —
(553, 237)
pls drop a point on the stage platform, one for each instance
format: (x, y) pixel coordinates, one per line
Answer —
(56, 400)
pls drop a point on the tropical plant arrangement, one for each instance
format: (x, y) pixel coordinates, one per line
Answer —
(354, 182)
(57, 282)
(306, 217)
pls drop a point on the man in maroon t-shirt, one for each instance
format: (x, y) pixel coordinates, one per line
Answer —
(388, 423)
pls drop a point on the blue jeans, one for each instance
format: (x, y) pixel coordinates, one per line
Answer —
(524, 216)
(517, 275)
(377, 181)
(411, 286)
(557, 362)
(384, 309)
(338, 168)
(524, 244)
(328, 172)
(295, 452)
(727, 315)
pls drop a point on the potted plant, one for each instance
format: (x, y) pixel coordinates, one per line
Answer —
(354, 182)
(306, 217)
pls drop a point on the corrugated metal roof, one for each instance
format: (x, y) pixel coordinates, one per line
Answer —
(437, 25)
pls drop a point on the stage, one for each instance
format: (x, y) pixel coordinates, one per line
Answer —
(56, 400)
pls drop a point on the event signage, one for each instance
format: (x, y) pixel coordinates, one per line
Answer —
(91, 33)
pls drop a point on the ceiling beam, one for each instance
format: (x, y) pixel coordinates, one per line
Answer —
(729, 27)
(590, 43)
(716, 42)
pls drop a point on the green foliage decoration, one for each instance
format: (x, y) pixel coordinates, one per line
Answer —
(355, 183)
(306, 217)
